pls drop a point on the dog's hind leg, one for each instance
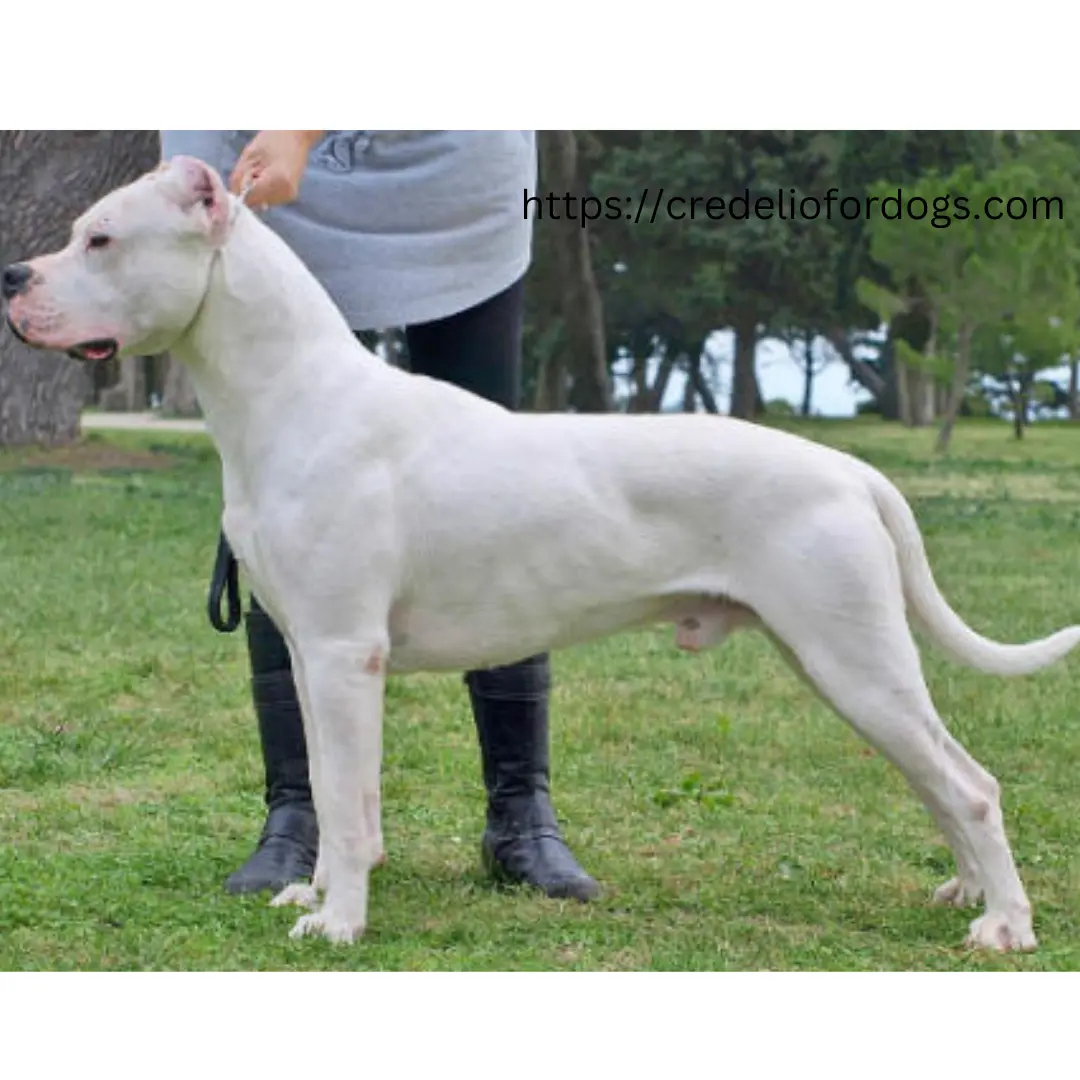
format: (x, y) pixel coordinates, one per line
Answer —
(960, 891)
(344, 687)
(966, 888)
(845, 627)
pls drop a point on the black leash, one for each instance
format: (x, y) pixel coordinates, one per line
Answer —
(225, 580)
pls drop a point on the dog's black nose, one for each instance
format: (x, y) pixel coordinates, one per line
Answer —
(15, 279)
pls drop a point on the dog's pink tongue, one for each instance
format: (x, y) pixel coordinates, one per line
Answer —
(99, 353)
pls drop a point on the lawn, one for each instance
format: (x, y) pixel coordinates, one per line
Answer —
(734, 822)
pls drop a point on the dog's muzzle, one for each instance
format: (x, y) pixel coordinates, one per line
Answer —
(100, 350)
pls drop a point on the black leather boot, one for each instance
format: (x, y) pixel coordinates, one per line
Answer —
(522, 842)
(290, 838)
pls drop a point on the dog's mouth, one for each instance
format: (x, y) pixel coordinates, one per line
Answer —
(18, 333)
(95, 351)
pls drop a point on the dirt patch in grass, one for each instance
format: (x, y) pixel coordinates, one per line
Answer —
(84, 456)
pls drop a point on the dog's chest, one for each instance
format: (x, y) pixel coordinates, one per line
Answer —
(238, 524)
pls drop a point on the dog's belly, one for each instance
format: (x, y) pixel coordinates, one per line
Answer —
(424, 637)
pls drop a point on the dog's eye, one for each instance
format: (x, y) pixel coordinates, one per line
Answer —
(98, 241)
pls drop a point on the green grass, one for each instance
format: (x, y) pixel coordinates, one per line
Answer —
(734, 822)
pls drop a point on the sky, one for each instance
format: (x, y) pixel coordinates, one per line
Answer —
(780, 375)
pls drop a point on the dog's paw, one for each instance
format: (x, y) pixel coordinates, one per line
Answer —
(328, 925)
(958, 892)
(302, 895)
(1002, 933)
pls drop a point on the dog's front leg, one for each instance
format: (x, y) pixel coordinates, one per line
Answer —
(303, 894)
(345, 682)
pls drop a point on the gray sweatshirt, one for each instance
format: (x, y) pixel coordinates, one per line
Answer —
(400, 227)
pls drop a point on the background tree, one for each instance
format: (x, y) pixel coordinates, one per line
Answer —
(48, 178)
(888, 162)
(807, 351)
(668, 285)
(968, 275)
(670, 282)
(582, 313)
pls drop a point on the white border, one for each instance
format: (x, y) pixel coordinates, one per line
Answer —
(511, 1026)
(774, 65)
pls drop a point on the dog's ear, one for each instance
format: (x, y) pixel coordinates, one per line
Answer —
(198, 189)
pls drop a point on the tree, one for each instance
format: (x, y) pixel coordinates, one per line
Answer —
(812, 362)
(742, 261)
(581, 307)
(969, 273)
(178, 397)
(1011, 355)
(891, 161)
(658, 309)
(48, 178)
(669, 282)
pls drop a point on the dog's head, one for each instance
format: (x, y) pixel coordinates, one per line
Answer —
(134, 272)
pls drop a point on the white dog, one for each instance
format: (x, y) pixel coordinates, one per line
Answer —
(390, 522)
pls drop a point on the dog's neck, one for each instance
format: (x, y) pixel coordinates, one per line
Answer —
(267, 343)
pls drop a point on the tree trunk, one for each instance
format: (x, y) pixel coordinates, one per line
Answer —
(808, 377)
(959, 385)
(1074, 386)
(102, 377)
(903, 393)
(128, 393)
(639, 385)
(178, 398)
(650, 398)
(925, 413)
(696, 378)
(745, 394)
(917, 327)
(47, 179)
(916, 395)
(888, 401)
(551, 384)
(861, 371)
(941, 398)
(1021, 403)
(581, 305)
(689, 397)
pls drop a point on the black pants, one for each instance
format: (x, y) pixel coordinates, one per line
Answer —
(478, 350)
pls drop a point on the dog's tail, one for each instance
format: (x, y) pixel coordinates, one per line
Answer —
(944, 625)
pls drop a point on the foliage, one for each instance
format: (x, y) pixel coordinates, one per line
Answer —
(975, 275)
(667, 284)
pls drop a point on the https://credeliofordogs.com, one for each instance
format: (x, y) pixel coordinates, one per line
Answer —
(788, 205)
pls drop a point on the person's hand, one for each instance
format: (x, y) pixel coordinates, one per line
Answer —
(273, 163)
